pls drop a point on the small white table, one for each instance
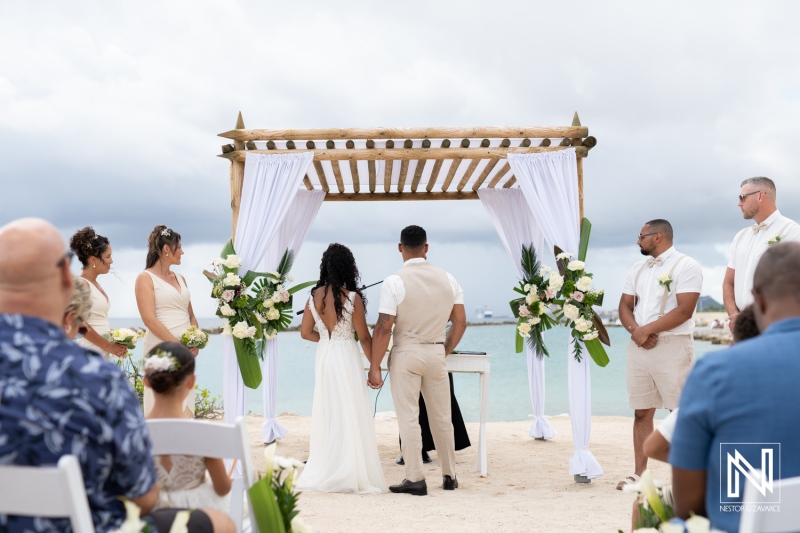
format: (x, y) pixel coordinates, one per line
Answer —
(471, 364)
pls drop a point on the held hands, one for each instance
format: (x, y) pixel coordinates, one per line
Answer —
(642, 337)
(374, 380)
(120, 350)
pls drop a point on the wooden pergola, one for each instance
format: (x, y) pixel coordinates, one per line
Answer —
(390, 164)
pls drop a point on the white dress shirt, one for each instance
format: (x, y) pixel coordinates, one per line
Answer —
(393, 290)
(688, 277)
(748, 247)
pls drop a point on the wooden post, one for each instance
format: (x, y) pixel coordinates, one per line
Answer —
(237, 179)
(577, 141)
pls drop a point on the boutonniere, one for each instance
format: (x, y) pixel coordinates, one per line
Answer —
(773, 240)
(664, 280)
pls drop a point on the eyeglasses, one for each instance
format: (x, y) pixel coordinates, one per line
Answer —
(66, 259)
(743, 196)
(642, 236)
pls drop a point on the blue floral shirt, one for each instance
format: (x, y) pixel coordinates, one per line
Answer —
(57, 398)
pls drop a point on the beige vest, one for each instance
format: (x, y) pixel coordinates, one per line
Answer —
(423, 314)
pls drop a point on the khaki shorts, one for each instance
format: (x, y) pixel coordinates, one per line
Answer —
(655, 377)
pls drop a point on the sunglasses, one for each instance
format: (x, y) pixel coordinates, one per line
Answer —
(66, 259)
(642, 236)
(743, 196)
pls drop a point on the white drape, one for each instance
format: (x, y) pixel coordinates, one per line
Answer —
(271, 183)
(293, 232)
(515, 224)
(549, 182)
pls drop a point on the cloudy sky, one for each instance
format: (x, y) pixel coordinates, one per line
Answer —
(109, 113)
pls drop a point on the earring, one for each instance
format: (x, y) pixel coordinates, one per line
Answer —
(68, 329)
(94, 265)
(167, 255)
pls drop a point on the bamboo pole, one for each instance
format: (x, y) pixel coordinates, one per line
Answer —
(500, 173)
(401, 196)
(577, 141)
(426, 143)
(323, 182)
(467, 174)
(399, 154)
(337, 174)
(451, 173)
(486, 170)
(354, 168)
(307, 183)
(237, 179)
(511, 181)
(437, 166)
(371, 167)
(406, 133)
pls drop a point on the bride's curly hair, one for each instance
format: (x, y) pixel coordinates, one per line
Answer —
(338, 271)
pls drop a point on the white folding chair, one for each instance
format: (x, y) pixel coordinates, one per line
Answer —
(47, 491)
(210, 439)
(784, 521)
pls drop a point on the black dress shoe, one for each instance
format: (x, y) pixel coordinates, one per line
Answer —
(400, 460)
(416, 488)
(425, 457)
(449, 483)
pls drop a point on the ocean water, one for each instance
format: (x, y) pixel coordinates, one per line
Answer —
(509, 399)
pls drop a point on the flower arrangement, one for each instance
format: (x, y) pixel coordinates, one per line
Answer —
(664, 280)
(124, 336)
(194, 337)
(254, 307)
(773, 240)
(161, 361)
(134, 524)
(550, 297)
(274, 497)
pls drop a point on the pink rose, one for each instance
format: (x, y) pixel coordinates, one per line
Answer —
(550, 293)
(577, 296)
(228, 295)
(523, 310)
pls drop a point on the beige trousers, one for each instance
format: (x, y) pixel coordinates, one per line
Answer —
(416, 368)
(655, 377)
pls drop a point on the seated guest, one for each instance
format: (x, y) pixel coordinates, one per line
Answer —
(748, 328)
(60, 399)
(169, 372)
(744, 394)
(77, 309)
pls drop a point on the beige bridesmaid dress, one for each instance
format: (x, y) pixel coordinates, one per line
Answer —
(98, 318)
(172, 310)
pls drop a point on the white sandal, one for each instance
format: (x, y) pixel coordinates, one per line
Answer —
(627, 481)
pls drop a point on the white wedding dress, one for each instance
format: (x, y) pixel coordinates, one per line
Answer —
(343, 452)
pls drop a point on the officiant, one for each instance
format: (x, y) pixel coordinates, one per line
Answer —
(459, 428)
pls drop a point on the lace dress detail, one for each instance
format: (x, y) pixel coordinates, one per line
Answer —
(343, 452)
(343, 330)
(186, 485)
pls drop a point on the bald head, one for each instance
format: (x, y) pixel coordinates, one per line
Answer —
(33, 279)
(776, 284)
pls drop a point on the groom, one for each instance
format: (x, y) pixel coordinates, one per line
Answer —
(419, 300)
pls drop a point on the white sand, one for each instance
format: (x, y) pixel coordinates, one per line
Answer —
(528, 487)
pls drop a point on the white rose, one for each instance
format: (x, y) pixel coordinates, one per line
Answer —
(571, 312)
(527, 287)
(663, 277)
(289, 278)
(534, 320)
(530, 298)
(556, 281)
(226, 329)
(232, 261)
(564, 255)
(217, 261)
(273, 314)
(269, 303)
(698, 524)
(583, 325)
(242, 331)
(276, 296)
(576, 266)
(261, 318)
(545, 270)
(231, 280)
(285, 296)
(298, 526)
(226, 310)
(524, 329)
(584, 284)
(271, 335)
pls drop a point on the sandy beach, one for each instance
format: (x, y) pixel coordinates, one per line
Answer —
(528, 487)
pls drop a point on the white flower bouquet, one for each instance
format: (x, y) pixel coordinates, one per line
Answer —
(539, 288)
(124, 336)
(194, 337)
(274, 497)
(254, 306)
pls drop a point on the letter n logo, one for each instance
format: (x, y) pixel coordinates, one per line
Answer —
(755, 463)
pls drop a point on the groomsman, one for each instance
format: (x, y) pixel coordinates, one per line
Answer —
(757, 202)
(657, 309)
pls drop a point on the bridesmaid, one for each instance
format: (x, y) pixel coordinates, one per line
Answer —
(94, 252)
(164, 301)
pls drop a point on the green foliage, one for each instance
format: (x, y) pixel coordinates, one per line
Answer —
(583, 246)
(648, 517)
(287, 261)
(249, 361)
(207, 407)
(134, 375)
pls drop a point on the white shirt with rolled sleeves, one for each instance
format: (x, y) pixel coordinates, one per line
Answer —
(687, 277)
(748, 247)
(393, 291)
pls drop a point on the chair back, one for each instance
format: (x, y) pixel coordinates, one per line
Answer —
(46, 491)
(201, 438)
(784, 521)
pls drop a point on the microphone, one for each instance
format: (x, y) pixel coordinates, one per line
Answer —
(363, 287)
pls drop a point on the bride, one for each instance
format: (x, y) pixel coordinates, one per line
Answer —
(343, 453)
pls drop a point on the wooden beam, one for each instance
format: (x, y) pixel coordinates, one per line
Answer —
(418, 174)
(400, 196)
(399, 154)
(406, 133)
(236, 178)
(437, 166)
(387, 172)
(467, 174)
(500, 173)
(577, 141)
(511, 181)
(337, 174)
(371, 167)
(354, 169)
(486, 170)
(323, 182)
(451, 173)
(307, 183)
(401, 182)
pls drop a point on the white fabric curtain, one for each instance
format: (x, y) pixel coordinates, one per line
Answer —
(271, 183)
(515, 224)
(549, 182)
(292, 233)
